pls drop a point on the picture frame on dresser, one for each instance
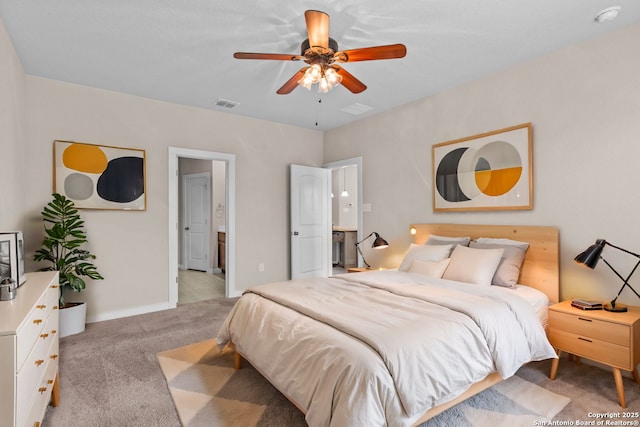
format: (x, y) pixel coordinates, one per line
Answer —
(8, 257)
(12, 256)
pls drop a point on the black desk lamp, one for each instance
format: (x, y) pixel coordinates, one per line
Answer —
(379, 243)
(590, 259)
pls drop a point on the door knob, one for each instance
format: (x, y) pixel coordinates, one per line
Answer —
(295, 233)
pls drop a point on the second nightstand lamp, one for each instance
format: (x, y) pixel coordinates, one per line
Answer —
(379, 243)
(590, 259)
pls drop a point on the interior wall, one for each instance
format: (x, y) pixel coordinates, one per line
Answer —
(583, 104)
(132, 247)
(12, 89)
(345, 208)
(218, 207)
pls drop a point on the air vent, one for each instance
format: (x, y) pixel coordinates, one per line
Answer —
(226, 103)
(356, 109)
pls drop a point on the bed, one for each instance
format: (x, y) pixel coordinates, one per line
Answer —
(397, 347)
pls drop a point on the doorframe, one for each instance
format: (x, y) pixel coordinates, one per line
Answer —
(183, 232)
(357, 162)
(230, 200)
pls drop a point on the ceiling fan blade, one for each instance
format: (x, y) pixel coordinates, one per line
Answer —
(317, 28)
(274, 56)
(349, 81)
(390, 51)
(292, 83)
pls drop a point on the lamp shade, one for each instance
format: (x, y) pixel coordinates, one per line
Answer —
(591, 256)
(379, 243)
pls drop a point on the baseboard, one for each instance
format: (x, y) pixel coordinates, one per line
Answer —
(128, 312)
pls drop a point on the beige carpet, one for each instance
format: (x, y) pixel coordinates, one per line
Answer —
(207, 391)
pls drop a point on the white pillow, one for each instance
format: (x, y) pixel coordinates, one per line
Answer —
(508, 270)
(522, 245)
(429, 268)
(443, 240)
(471, 265)
(424, 253)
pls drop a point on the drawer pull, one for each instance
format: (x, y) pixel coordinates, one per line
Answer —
(49, 381)
(584, 339)
(54, 356)
(37, 321)
(53, 331)
(42, 389)
(39, 362)
(54, 287)
(41, 306)
(55, 307)
(43, 336)
(586, 320)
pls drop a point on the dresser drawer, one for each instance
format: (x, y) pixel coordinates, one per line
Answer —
(591, 348)
(32, 374)
(32, 328)
(42, 396)
(53, 297)
(613, 333)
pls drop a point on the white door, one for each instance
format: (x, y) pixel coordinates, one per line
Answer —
(310, 222)
(197, 219)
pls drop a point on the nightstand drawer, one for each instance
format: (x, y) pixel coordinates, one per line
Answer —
(584, 326)
(591, 348)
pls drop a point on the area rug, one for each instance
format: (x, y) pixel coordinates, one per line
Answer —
(208, 391)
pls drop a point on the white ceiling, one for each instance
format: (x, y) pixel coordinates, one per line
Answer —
(181, 50)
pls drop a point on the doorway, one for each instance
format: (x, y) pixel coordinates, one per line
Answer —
(346, 212)
(222, 216)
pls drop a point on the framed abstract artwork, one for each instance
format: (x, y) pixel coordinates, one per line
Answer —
(100, 176)
(489, 171)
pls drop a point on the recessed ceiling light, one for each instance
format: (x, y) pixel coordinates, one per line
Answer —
(608, 14)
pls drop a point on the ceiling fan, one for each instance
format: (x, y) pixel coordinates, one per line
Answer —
(322, 54)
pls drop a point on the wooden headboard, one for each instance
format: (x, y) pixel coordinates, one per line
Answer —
(540, 269)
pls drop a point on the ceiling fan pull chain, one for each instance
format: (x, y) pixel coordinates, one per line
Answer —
(317, 108)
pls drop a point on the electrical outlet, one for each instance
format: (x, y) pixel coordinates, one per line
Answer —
(261, 267)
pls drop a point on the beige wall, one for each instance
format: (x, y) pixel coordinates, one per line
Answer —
(12, 87)
(584, 103)
(132, 247)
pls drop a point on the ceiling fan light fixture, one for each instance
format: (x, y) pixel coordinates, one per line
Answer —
(324, 76)
(311, 76)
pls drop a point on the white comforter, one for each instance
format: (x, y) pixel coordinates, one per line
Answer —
(380, 348)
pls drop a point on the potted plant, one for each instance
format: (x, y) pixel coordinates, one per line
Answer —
(61, 248)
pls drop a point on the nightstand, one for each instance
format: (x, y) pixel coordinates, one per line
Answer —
(608, 338)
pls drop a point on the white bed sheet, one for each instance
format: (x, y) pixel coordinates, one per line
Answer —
(342, 393)
(536, 299)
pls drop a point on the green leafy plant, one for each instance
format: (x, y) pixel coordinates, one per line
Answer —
(61, 246)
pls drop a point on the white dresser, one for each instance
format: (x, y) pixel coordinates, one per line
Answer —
(29, 351)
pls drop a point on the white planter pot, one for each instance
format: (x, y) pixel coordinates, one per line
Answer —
(73, 319)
